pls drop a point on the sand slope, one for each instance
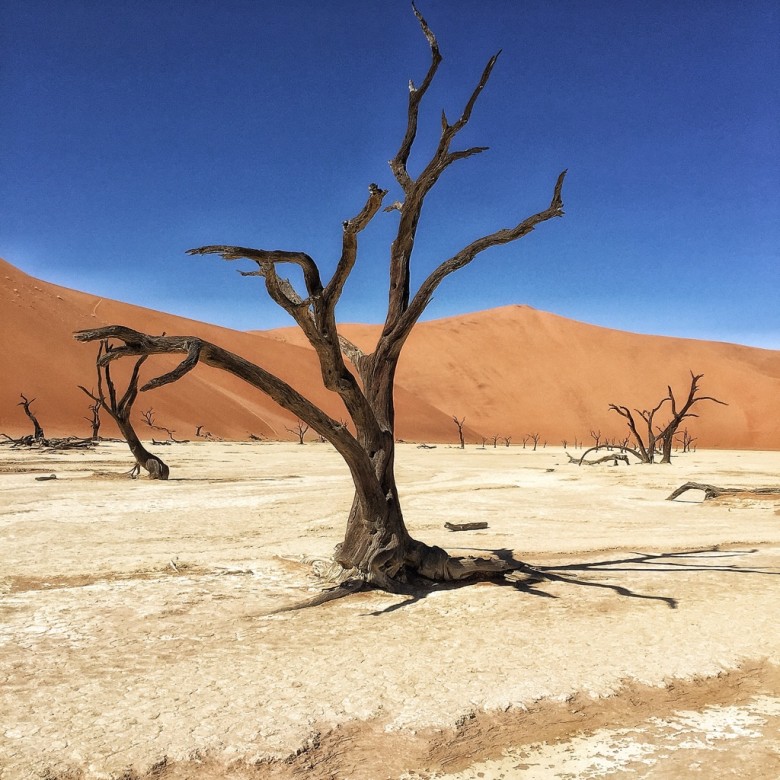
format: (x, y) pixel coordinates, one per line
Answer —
(41, 359)
(515, 370)
(509, 371)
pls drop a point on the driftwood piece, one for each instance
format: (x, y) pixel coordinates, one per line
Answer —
(713, 491)
(614, 457)
(465, 526)
(46, 479)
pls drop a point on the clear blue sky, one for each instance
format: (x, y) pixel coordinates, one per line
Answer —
(133, 130)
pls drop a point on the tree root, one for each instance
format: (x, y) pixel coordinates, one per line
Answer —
(346, 588)
(713, 491)
(425, 566)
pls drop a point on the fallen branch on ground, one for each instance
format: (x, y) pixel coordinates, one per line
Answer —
(713, 491)
(614, 457)
(465, 526)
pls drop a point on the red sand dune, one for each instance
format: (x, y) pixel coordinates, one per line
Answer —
(509, 371)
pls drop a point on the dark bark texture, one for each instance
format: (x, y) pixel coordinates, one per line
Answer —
(119, 409)
(377, 548)
(713, 491)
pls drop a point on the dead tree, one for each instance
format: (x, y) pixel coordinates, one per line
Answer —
(459, 423)
(149, 419)
(377, 548)
(534, 437)
(679, 414)
(507, 440)
(119, 409)
(685, 440)
(94, 420)
(300, 430)
(596, 436)
(38, 435)
(494, 439)
(647, 446)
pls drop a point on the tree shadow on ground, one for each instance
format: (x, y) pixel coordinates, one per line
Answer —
(530, 579)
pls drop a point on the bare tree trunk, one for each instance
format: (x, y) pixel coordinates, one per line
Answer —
(119, 409)
(144, 459)
(459, 423)
(377, 547)
(38, 434)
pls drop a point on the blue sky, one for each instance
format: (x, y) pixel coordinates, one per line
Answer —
(132, 131)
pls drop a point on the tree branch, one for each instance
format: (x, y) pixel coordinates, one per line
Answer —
(349, 245)
(416, 94)
(467, 254)
(269, 258)
(200, 351)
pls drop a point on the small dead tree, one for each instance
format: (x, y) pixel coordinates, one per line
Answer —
(494, 440)
(648, 446)
(300, 430)
(534, 437)
(38, 435)
(377, 548)
(507, 440)
(94, 419)
(686, 440)
(459, 423)
(119, 409)
(149, 419)
(596, 436)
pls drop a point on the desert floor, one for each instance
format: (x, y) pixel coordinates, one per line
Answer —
(136, 640)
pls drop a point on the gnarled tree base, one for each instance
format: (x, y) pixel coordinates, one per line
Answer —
(713, 491)
(426, 566)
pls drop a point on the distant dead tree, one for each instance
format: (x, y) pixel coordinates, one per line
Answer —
(94, 419)
(37, 439)
(38, 434)
(565, 443)
(596, 436)
(507, 440)
(377, 548)
(300, 430)
(208, 435)
(494, 440)
(534, 437)
(459, 423)
(647, 446)
(525, 439)
(119, 409)
(149, 419)
(685, 440)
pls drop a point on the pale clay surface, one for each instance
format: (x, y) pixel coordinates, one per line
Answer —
(111, 658)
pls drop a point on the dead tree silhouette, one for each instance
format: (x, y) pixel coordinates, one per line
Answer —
(377, 548)
(647, 446)
(119, 409)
